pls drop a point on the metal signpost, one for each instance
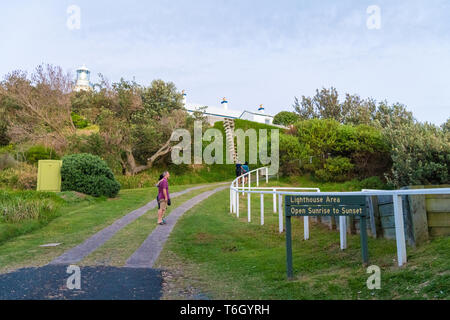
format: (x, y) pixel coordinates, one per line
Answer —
(324, 206)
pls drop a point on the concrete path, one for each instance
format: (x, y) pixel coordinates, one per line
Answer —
(79, 252)
(148, 252)
(97, 283)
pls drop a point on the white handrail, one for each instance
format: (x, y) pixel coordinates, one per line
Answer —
(235, 189)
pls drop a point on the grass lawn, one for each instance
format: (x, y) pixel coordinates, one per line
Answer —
(123, 244)
(75, 222)
(225, 257)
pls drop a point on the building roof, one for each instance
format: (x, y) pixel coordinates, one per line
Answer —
(215, 111)
(256, 113)
(222, 112)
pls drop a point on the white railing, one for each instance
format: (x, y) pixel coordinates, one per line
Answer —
(236, 188)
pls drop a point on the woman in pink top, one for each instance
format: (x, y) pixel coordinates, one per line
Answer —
(163, 196)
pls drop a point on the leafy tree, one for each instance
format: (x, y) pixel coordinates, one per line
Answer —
(324, 105)
(446, 126)
(304, 108)
(393, 116)
(353, 110)
(160, 98)
(135, 122)
(285, 118)
(39, 107)
(358, 111)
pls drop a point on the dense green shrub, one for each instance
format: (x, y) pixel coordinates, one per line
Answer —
(420, 155)
(335, 169)
(78, 121)
(36, 153)
(88, 174)
(324, 143)
(286, 118)
(291, 154)
(373, 183)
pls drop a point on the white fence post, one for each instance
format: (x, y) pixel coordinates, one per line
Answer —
(343, 231)
(262, 208)
(257, 177)
(399, 230)
(267, 175)
(248, 208)
(280, 213)
(274, 201)
(237, 204)
(306, 227)
(231, 200)
(234, 201)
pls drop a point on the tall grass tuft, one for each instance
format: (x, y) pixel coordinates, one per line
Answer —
(17, 207)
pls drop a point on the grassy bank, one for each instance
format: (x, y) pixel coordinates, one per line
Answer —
(22, 212)
(228, 258)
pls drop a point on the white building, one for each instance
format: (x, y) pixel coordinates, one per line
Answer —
(214, 114)
(83, 79)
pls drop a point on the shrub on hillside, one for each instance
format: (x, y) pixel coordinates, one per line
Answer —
(7, 161)
(420, 155)
(78, 121)
(321, 139)
(286, 118)
(88, 174)
(22, 177)
(336, 169)
(373, 183)
(36, 153)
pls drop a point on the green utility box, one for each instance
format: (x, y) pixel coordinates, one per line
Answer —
(49, 175)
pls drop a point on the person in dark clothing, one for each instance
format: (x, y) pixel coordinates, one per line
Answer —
(157, 185)
(245, 169)
(238, 169)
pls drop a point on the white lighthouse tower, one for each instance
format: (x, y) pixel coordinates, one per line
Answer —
(83, 79)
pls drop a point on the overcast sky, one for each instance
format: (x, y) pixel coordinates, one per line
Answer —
(252, 52)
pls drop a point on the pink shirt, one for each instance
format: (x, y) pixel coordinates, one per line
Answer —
(164, 184)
